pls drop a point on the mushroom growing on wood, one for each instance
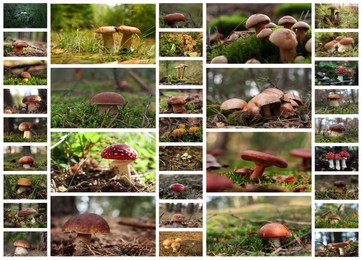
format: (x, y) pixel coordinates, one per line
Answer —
(31, 102)
(306, 155)
(178, 104)
(340, 186)
(262, 161)
(337, 130)
(286, 41)
(122, 155)
(127, 32)
(26, 161)
(330, 157)
(345, 155)
(21, 248)
(257, 21)
(274, 232)
(23, 185)
(334, 99)
(107, 102)
(85, 225)
(18, 46)
(107, 35)
(173, 19)
(26, 127)
(264, 104)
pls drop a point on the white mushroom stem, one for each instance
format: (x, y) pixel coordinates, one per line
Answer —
(344, 165)
(108, 41)
(333, 221)
(336, 134)
(22, 189)
(31, 107)
(334, 102)
(126, 40)
(343, 48)
(20, 251)
(341, 251)
(275, 242)
(124, 170)
(85, 238)
(338, 165)
(26, 166)
(287, 55)
(111, 109)
(331, 163)
(27, 134)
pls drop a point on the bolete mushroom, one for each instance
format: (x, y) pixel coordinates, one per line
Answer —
(330, 157)
(345, 44)
(21, 248)
(31, 102)
(107, 102)
(28, 214)
(264, 34)
(178, 104)
(286, 41)
(274, 232)
(177, 219)
(287, 110)
(306, 155)
(127, 32)
(233, 104)
(287, 21)
(262, 161)
(23, 185)
(257, 21)
(340, 245)
(340, 186)
(337, 130)
(301, 28)
(345, 155)
(331, 46)
(264, 104)
(334, 218)
(26, 161)
(107, 35)
(18, 46)
(25, 76)
(122, 155)
(26, 127)
(334, 99)
(219, 60)
(85, 225)
(173, 19)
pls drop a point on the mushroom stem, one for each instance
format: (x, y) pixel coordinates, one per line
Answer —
(334, 102)
(85, 238)
(341, 251)
(339, 190)
(306, 164)
(331, 164)
(179, 109)
(338, 165)
(108, 41)
(124, 171)
(20, 251)
(22, 189)
(275, 242)
(126, 41)
(27, 134)
(344, 165)
(108, 109)
(258, 172)
(287, 55)
(31, 107)
(336, 134)
(266, 111)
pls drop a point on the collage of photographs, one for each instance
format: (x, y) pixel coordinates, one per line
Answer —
(188, 128)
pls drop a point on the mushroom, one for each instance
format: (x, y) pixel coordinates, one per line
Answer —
(308, 46)
(302, 28)
(340, 245)
(345, 44)
(262, 161)
(23, 185)
(330, 157)
(18, 46)
(337, 130)
(127, 32)
(177, 188)
(274, 91)
(286, 41)
(292, 98)
(334, 99)
(175, 246)
(345, 155)
(330, 46)
(274, 232)
(211, 162)
(271, 25)
(26, 127)
(219, 60)
(178, 104)
(167, 243)
(177, 219)
(287, 110)
(334, 218)
(233, 104)
(299, 59)
(264, 104)
(184, 66)
(252, 61)
(338, 159)
(287, 21)
(21, 248)
(340, 186)
(257, 21)
(107, 35)
(85, 225)
(215, 183)
(306, 155)
(31, 102)
(173, 19)
(332, 18)
(25, 76)
(26, 161)
(28, 214)
(264, 34)
(122, 156)
(107, 102)
(243, 171)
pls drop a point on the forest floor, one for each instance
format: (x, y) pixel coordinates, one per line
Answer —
(180, 158)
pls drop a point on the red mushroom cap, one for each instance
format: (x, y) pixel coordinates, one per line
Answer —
(302, 153)
(274, 230)
(263, 158)
(172, 18)
(26, 160)
(217, 183)
(177, 187)
(344, 154)
(338, 157)
(119, 152)
(330, 155)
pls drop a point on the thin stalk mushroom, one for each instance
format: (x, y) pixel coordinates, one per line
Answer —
(25, 76)
(264, 104)
(345, 44)
(107, 35)
(334, 218)
(274, 232)
(330, 157)
(257, 21)
(341, 246)
(262, 161)
(337, 130)
(184, 66)
(107, 102)
(332, 17)
(338, 159)
(122, 155)
(27, 127)
(23, 185)
(173, 19)
(31, 101)
(127, 32)
(340, 186)
(345, 155)
(26, 161)
(28, 214)
(301, 29)
(286, 41)
(306, 155)
(21, 248)
(334, 99)
(287, 21)
(18, 46)
(178, 104)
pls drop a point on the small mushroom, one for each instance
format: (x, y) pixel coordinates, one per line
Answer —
(173, 19)
(23, 185)
(184, 66)
(274, 232)
(215, 183)
(330, 46)
(107, 102)
(330, 157)
(334, 218)
(257, 21)
(302, 28)
(345, 155)
(252, 61)
(31, 102)
(262, 161)
(337, 130)
(177, 188)
(25, 76)
(287, 110)
(334, 99)
(175, 246)
(233, 104)
(26, 161)
(26, 127)
(332, 17)
(338, 159)
(219, 60)
(21, 248)
(107, 35)
(18, 46)
(122, 156)
(28, 214)
(287, 21)
(340, 245)
(85, 225)
(345, 44)
(167, 243)
(306, 155)
(264, 104)
(308, 46)
(286, 41)
(178, 104)
(340, 186)
(127, 32)
(177, 219)
(264, 34)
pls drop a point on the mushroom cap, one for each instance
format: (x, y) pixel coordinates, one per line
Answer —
(270, 25)
(167, 242)
(24, 182)
(106, 29)
(219, 60)
(274, 91)
(338, 38)
(178, 218)
(26, 126)
(260, 100)
(233, 103)
(265, 33)
(263, 158)
(22, 243)
(339, 184)
(339, 244)
(20, 43)
(25, 75)
(121, 152)
(330, 45)
(252, 61)
(346, 41)
(284, 39)
(337, 128)
(290, 96)
(128, 29)
(334, 96)
(178, 100)
(31, 99)
(302, 153)
(107, 98)
(274, 230)
(26, 160)
(173, 18)
(334, 217)
(344, 153)
(333, 8)
(300, 25)
(177, 187)
(87, 223)
(26, 212)
(338, 157)
(330, 155)
(287, 19)
(308, 45)
(255, 19)
(216, 182)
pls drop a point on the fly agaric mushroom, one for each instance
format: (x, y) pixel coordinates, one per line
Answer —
(107, 35)
(178, 104)
(257, 21)
(286, 41)
(219, 60)
(262, 161)
(167, 243)
(23, 185)
(177, 188)
(340, 186)
(345, 44)
(25, 76)
(177, 220)
(302, 28)
(345, 155)
(122, 156)
(334, 99)
(107, 102)
(18, 46)
(85, 225)
(127, 32)
(274, 232)
(175, 246)
(287, 21)
(330, 157)
(31, 102)
(173, 19)
(21, 248)
(338, 159)
(26, 161)
(334, 218)
(233, 104)
(264, 104)
(216, 183)
(340, 245)
(337, 130)
(28, 214)
(306, 155)
(26, 127)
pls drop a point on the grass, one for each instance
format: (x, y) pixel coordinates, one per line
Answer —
(348, 137)
(341, 109)
(330, 194)
(16, 80)
(21, 139)
(186, 137)
(348, 17)
(325, 223)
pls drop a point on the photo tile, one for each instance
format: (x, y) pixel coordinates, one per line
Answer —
(175, 73)
(180, 15)
(336, 101)
(180, 186)
(180, 101)
(181, 44)
(336, 215)
(336, 244)
(25, 215)
(25, 158)
(25, 15)
(25, 72)
(180, 158)
(25, 186)
(181, 215)
(25, 44)
(24, 129)
(25, 100)
(336, 187)
(336, 44)
(336, 16)
(20, 243)
(181, 129)
(336, 159)
(181, 243)
(336, 130)
(336, 73)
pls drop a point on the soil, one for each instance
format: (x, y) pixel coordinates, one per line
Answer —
(191, 244)
(174, 158)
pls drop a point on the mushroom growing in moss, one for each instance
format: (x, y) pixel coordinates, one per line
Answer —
(25, 76)
(32, 101)
(173, 19)
(286, 41)
(178, 104)
(274, 232)
(337, 130)
(26, 127)
(21, 248)
(23, 185)
(257, 21)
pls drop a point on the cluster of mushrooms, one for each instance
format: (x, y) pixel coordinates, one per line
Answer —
(286, 39)
(181, 70)
(340, 160)
(339, 44)
(181, 130)
(175, 244)
(270, 103)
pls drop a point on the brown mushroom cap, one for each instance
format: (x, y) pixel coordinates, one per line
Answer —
(256, 105)
(346, 41)
(87, 223)
(25, 75)
(274, 91)
(173, 18)
(26, 160)
(106, 29)
(330, 45)
(31, 99)
(287, 21)
(264, 159)
(258, 21)
(274, 230)
(107, 98)
(334, 96)
(26, 126)
(339, 184)
(300, 25)
(27, 212)
(24, 182)
(176, 101)
(334, 217)
(128, 29)
(284, 39)
(219, 60)
(308, 46)
(264, 34)
(20, 43)
(302, 153)
(233, 104)
(178, 218)
(337, 128)
(22, 243)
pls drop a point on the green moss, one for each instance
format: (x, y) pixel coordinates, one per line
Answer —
(294, 9)
(16, 80)
(227, 24)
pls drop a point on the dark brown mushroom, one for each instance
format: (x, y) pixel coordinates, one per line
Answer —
(340, 186)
